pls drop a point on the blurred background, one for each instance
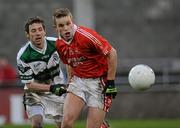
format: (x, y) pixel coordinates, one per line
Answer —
(142, 31)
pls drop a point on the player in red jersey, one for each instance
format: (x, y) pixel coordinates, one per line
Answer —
(92, 63)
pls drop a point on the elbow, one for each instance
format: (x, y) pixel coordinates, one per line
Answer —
(27, 86)
(114, 52)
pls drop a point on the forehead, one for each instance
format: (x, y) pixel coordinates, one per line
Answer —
(35, 26)
(63, 20)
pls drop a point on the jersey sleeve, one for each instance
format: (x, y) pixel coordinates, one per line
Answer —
(25, 72)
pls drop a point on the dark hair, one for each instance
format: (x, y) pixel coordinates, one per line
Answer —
(61, 12)
(32, 20)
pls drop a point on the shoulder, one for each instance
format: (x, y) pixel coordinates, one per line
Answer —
(51, 42)
(53, 39)
(87, 32)
(23, 50)
(83, 28)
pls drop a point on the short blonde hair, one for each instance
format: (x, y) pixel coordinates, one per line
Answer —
(61, 12)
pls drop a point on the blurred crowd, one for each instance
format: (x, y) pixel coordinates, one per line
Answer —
(8, 74)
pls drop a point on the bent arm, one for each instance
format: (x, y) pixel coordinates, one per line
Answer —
(33, 86)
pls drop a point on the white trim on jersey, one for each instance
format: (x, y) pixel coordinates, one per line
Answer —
(92, 38)
(89, 36)
(51, 38)
(21, 51)
(43, 50)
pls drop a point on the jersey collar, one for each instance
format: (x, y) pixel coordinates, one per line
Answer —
(42, 51)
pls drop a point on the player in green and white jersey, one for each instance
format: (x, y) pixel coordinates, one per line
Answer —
(39, 69)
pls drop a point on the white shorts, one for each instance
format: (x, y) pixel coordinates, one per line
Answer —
(50, 107)
(90, 90)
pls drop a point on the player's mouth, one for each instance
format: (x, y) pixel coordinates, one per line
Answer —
(38, 39)
(67, 35)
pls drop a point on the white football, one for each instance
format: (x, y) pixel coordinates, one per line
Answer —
(141, 77)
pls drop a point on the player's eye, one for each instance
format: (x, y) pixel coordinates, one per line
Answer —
(60, 25)
(33, 30)
(40, 29)
(68, 23)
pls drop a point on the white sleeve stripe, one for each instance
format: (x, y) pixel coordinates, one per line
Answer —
(21, 51)
(90, 36)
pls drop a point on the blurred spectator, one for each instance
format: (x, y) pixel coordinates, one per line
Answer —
(8, 74)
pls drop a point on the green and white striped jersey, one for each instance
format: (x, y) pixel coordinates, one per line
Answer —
(42, 66)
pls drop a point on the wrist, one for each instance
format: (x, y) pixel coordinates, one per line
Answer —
(110, 82)
(51, 88)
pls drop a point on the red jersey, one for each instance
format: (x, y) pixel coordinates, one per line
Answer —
(86, 53)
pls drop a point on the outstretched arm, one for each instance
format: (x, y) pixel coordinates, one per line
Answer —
(110, 88)
(69, 73)
(112, 64)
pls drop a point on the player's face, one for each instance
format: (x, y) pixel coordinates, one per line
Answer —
(64, 26)
(36, 35)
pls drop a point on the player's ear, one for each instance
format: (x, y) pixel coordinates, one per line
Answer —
(27, 35)
(56, 30)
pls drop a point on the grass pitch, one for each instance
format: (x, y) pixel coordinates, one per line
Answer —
(159, 123)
